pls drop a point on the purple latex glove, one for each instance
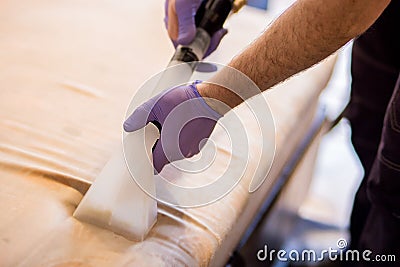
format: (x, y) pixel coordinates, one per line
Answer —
(185, 120)
(181, 23)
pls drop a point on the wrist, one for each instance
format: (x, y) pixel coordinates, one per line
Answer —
(218, 98)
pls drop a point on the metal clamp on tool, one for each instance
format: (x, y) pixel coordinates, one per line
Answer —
(210, 17)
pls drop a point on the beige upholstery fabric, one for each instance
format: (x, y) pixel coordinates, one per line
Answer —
(67, 72)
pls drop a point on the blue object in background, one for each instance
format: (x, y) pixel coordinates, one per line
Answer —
(263, 4)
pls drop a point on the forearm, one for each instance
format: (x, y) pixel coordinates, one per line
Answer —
(306, 33)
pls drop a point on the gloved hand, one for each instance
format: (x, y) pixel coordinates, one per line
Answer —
(185, 120)
(180, 23)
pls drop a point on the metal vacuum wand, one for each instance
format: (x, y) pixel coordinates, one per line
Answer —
(115, 201)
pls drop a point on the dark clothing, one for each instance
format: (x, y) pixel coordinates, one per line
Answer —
(374, 114)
